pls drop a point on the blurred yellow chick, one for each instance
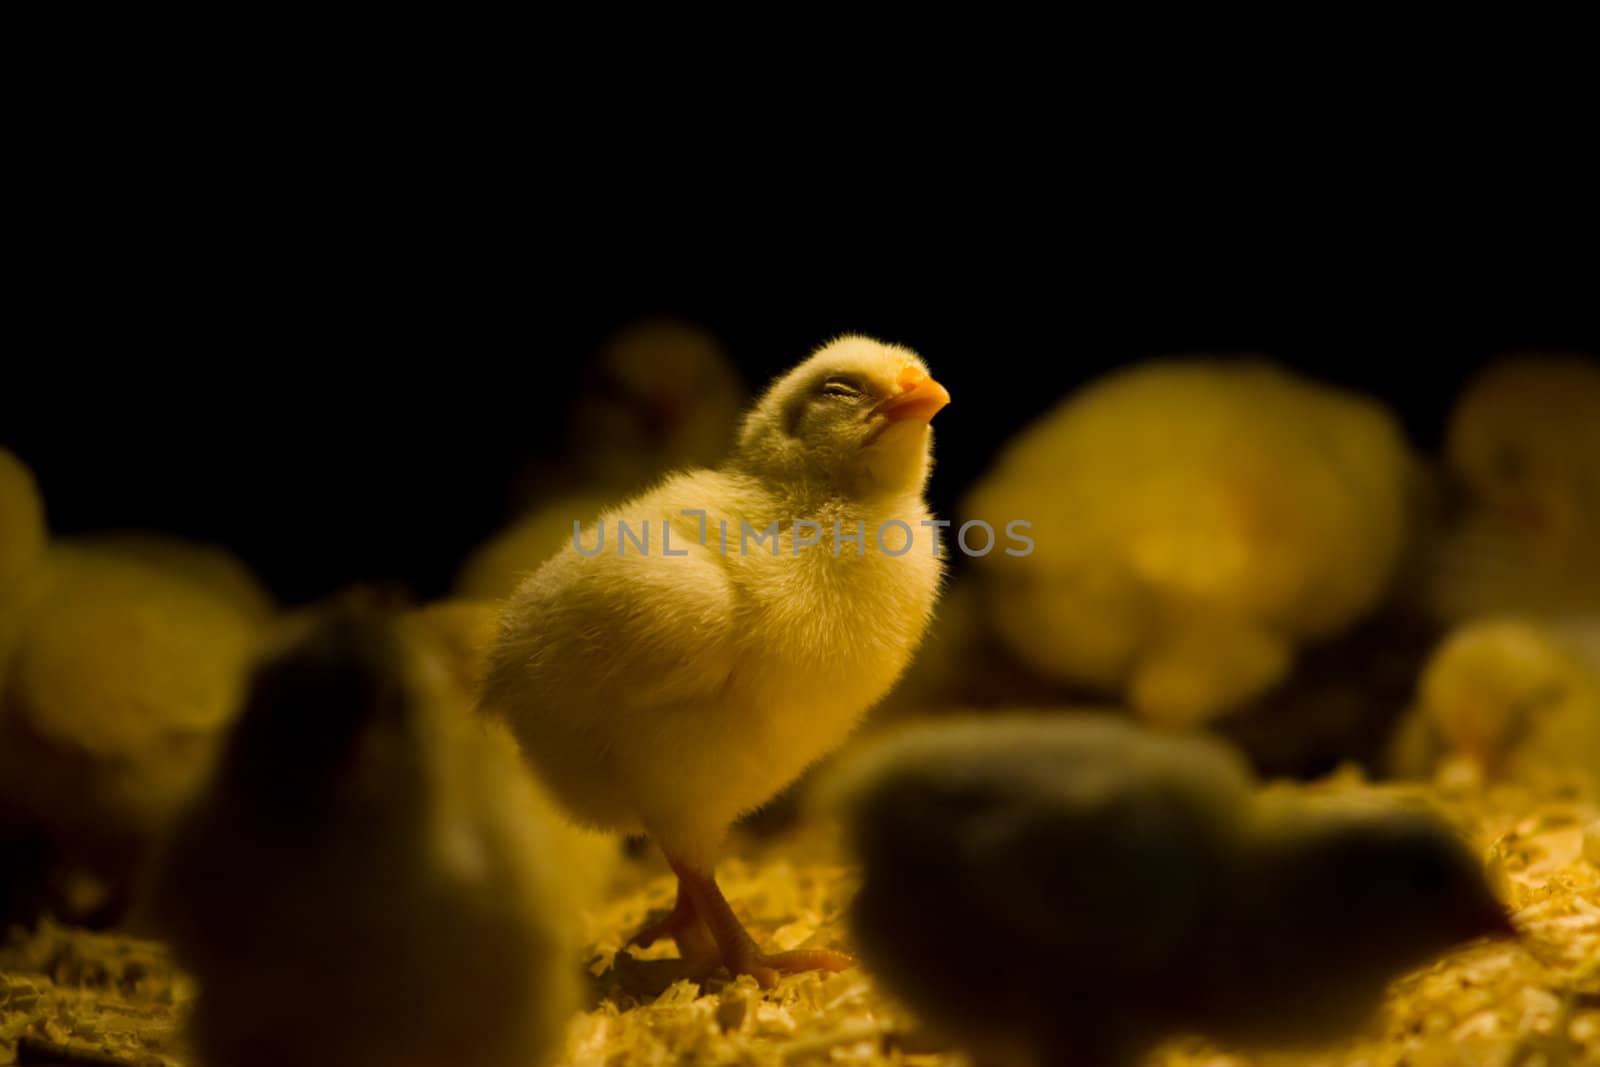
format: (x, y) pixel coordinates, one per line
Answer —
(1193, 521)
(662, 396)
(1516, 698)
(120, 680)
(372, 877)
(1524, 445)
(673, 688)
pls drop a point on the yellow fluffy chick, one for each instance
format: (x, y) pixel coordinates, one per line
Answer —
(1193, 521)
(211, 567)
(22, 525)
(673, 688)
(121, 679)
(662, 395)
(1524, 444)
(1517, 698)
(372, 877)
(1075, 891)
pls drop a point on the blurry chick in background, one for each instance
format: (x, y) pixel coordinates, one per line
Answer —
(1073, 892)
(662, 396)
(372, 877)
(119, 683)
(1194, 522)
(1517, 699)
(1523, 448)
(671, 693)
(117, 675)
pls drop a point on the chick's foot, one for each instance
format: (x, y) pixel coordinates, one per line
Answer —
(683, 924)
(738, 951)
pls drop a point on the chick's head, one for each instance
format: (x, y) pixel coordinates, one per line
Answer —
(1486, 687)
(336, 699)
(1402, 879)
(1523, 438)
(851, 419)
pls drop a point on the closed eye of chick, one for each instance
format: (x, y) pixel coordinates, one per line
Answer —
(673, 693)
(1076, 891)
(372, 876)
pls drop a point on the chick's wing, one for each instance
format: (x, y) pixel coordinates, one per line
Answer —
(627, 632)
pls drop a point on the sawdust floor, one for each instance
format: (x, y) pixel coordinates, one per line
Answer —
(69, 996)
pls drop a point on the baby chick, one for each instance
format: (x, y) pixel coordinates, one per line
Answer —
(669, 691)
(661, 396)
(1077, 890)
(1522, 442)
(1193, 522)
(121, 679)
(1517, 698)
(371, 877)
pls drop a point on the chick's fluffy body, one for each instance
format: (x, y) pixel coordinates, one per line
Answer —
(671, 693)
(1074, 890)
(1194, 520)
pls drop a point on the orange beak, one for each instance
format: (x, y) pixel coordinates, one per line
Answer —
(920, 398)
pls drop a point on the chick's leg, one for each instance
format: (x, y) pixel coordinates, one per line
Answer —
(683, 924)
(740, 953)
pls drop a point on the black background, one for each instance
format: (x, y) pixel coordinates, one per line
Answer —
(341, 392)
